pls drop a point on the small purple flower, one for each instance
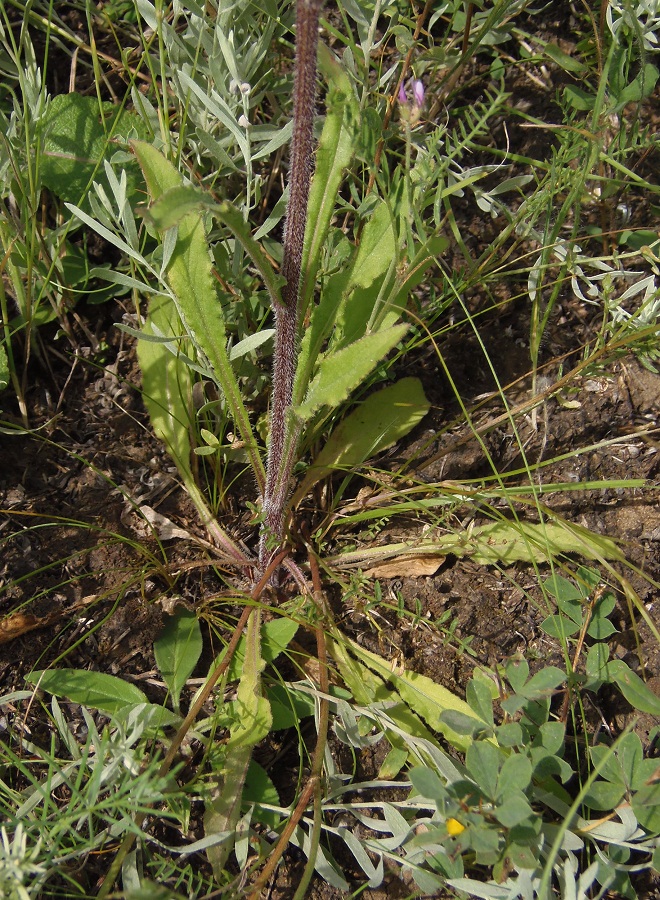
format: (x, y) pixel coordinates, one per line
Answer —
(411, 111)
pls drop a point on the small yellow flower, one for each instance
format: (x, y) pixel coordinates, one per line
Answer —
(454, 827)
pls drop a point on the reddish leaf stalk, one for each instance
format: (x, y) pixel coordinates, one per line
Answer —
(284, 430)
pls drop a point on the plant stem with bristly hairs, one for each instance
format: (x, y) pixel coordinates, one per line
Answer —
(284, 430)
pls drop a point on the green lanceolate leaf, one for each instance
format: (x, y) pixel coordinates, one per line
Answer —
(190, 278)
(341, 372)
(503, 541)
(95, 689)
(174, 205)
(377, 247)
(167, 383)
(383, 419)
(167, 395)
(253, 722)
(374, 267)
(231, 217)
(425, 698)
(334, 154)
(177, 651)
(322, 319)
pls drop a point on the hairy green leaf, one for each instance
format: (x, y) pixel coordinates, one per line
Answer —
(334, 154)
(190, 277)
(514, 810)
(377, 247)
(383, 419)
(376, 257)
(167, 383)
(253, 723)
(604, 795)
(174, 205)
(167, 395)
(341, 372)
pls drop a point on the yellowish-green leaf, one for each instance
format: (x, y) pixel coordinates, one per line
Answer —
(377, 247)
(334, 154)
(252, 724)
(167, 382)
(190, 277)
(498, 542)
(341, 372)
(383, 419)
(424, 697)
(175, 204)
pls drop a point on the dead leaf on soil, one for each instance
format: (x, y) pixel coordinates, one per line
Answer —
(164, 527)
(18, 623)
(410, 565)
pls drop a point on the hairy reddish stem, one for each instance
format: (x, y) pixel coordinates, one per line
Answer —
(284, 431)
